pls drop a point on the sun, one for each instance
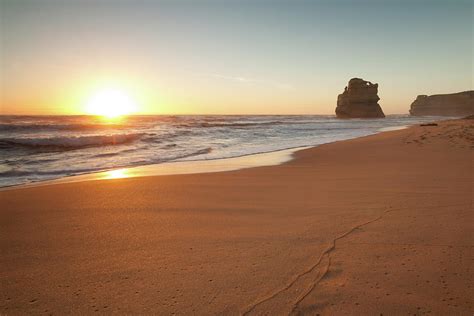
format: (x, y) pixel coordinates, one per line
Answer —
(111, 103)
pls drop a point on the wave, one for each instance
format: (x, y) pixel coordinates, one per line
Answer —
(203, 151)
(240, 124)
(227, 124)
(62, 172)
(106, 155)
(14, 172)
(73, 142)
(58, 127)
(29, 127)
(159, 138)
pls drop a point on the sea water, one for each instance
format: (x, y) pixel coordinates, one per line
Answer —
(38, 148)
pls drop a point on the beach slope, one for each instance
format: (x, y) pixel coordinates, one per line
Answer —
(376, 225)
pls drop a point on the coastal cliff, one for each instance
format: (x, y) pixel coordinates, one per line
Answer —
(454, 104)
(359, 100)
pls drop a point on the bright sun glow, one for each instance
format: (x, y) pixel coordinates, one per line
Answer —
(111, 103)
(116, 174)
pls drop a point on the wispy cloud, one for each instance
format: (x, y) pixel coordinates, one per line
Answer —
(250, 80)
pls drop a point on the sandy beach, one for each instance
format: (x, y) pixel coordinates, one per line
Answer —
(376, 225)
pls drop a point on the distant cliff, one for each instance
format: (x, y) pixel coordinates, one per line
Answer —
(454, 104)
(359, 100)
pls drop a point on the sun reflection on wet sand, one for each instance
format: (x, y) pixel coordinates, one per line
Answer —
(116, 174)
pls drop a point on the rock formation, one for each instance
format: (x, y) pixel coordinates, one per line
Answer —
(454, 104)
(359, 100)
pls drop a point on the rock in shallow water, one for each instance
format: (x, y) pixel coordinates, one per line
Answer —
(359, 100)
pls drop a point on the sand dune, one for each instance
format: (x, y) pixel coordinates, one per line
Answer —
(376, 225)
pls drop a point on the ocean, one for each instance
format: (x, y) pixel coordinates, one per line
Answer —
(39, 148)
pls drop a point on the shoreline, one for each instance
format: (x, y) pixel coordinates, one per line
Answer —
(177, 167)
(376, 224)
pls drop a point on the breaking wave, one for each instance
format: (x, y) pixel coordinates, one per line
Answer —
(12, 172)
(71, 142)
(57, 127)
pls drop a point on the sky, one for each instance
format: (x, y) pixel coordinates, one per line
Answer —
(230, 57)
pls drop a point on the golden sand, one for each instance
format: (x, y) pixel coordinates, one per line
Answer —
(376, 225)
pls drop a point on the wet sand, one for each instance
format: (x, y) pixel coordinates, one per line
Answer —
(376, 225)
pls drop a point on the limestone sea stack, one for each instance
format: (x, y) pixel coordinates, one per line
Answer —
(359, 100)
(454, 104)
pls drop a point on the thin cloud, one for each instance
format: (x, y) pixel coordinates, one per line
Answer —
(248, 80)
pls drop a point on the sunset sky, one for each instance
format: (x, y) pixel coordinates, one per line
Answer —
(229, 57)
